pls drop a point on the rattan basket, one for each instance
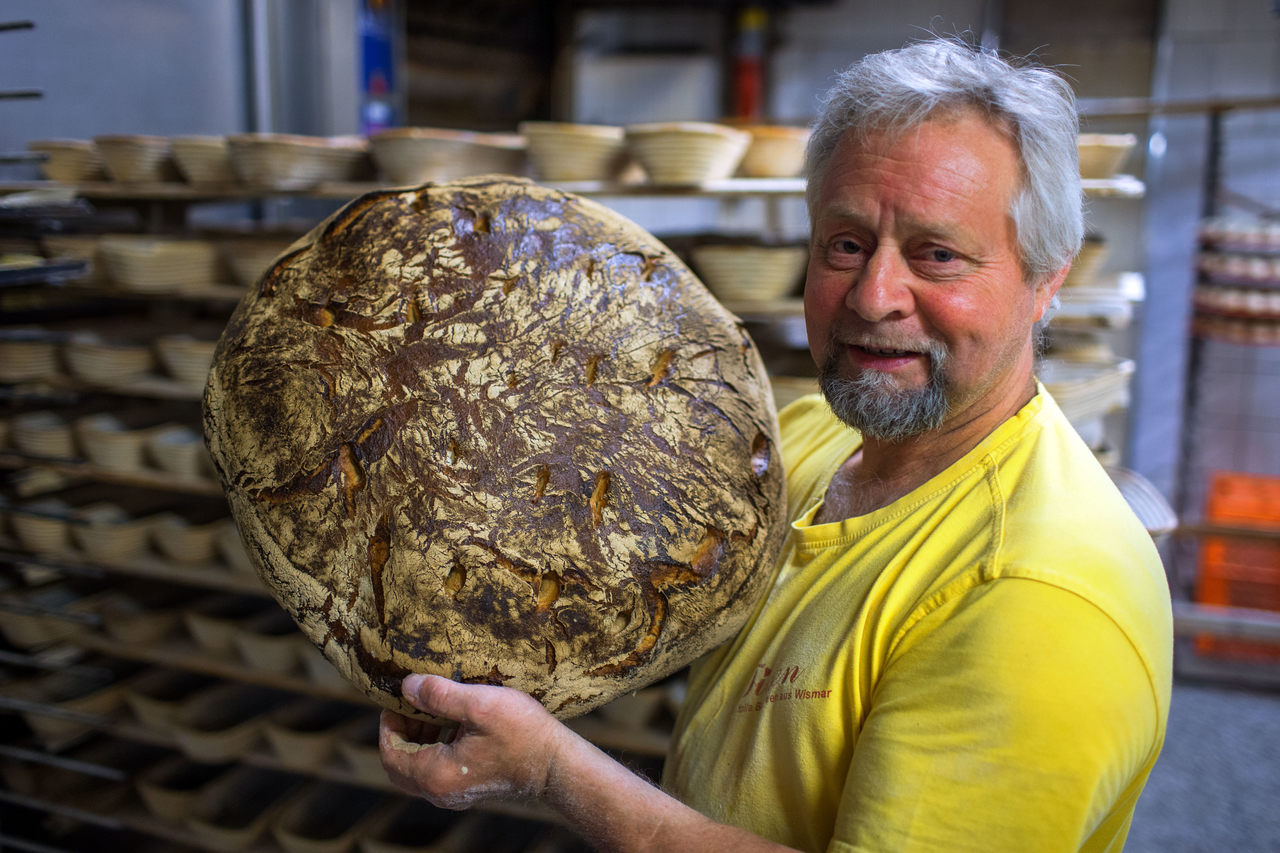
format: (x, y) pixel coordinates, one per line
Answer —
(186, 359)
(687, 152)
(43, 433)
(183, 540)
(42, 526)
(69, 160)
(156, 696)
(776, 151)
(158, 265)
(269, 642)
(1086, 390)
(77, 247)
(178, 450)
(746, 273)
(561, 151)
(137, 158)
(108, 443)
(106, 531)
(249, 257)
(1102, 154)
(102, 362)
(288, 161)
(212, 622)
(27, 354)
(1084, 269)
(203, 159)
(414, 155)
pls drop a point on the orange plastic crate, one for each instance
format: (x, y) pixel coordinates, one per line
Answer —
(1237, 572)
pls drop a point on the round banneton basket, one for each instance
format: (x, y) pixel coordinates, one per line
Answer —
(178, 450)
(249, 257)
(102, 362)
(1084, 269)
(155, 265)
(27, 354)
(203, 159)
(134, 158)
(186, 359)
(287, 161)
(1086, 390)
(687, 152)
(77, 247)
(184, 540)
(109, 443)
(41, 526)
(1102, 154)
(70, 160)
(106, 531)
(575, 152)
(776, 151)
(749, 273)
(43, 433)
(412, 155)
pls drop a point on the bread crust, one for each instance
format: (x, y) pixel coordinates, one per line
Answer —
(497, 432)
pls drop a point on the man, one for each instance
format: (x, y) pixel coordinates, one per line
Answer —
(967, 640)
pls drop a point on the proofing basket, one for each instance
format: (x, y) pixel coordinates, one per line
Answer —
(248, 258)
(105, 531)
(414, 155)
(1086, 391)
(745, 273)
(109, 443)
(178, 450)
(287, 161)
(70, 160)
(186, 359)
(26, 354)
(157, 265)
(103, 362)
(1102, 154)
(134, 158)
(561, 151)
(776, 151)
(43, 433)
(203, 159)
(687, 152)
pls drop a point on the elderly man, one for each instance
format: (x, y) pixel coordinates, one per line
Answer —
(966, 643)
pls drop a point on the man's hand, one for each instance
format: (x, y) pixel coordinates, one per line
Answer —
(504, 747)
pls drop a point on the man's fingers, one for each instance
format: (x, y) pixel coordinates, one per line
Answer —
(439, 696)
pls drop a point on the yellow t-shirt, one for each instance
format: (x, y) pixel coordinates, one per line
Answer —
(984, 664)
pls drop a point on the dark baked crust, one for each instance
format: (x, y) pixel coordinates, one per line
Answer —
(499, 433)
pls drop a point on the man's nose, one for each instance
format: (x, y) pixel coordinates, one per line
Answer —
(882, 289)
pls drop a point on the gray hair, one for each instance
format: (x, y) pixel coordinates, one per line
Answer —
(899, 90)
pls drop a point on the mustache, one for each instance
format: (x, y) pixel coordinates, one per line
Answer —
(932, 348)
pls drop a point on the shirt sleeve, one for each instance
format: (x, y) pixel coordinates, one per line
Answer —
(1012, 716)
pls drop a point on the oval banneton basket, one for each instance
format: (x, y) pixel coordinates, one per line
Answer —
(497, 432)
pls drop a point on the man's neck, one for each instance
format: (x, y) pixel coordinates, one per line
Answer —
(880, 472)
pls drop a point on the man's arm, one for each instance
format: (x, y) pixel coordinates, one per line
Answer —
(508, 747)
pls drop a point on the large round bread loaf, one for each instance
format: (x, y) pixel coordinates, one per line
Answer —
(499, 433)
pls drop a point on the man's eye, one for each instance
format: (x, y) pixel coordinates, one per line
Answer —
(848, 247)
(942, 256)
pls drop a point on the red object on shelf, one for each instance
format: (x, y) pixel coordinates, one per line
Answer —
(1238, 572)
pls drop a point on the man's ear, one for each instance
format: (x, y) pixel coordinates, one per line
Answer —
(1047, 289)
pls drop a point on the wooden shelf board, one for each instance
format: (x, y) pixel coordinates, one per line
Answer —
(211, 576)
(81, 468)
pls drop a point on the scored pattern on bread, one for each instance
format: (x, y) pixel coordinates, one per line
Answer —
(500, 433)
